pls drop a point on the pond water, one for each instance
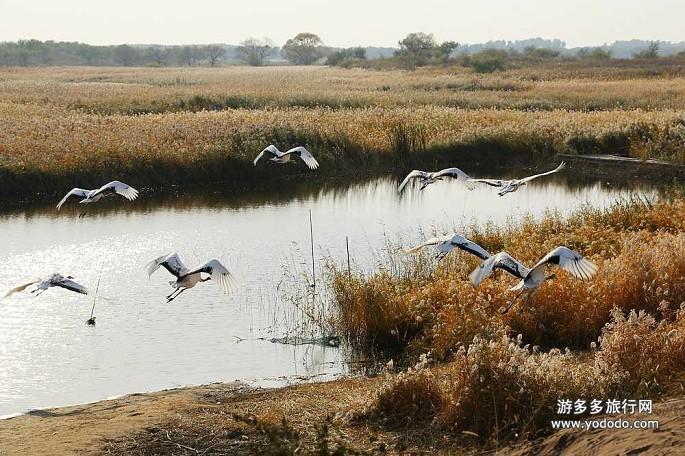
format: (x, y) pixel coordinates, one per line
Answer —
(49, 357)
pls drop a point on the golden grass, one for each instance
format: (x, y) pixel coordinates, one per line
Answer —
(501, 390)
(136, 90)
(62, 123)
(638, 246)
(620, 335)
(56, 142)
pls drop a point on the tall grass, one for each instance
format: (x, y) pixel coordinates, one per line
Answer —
(501, 389)
(406, 141)
(620, 335)
(155, 125)
(49, 146)
(638, 245)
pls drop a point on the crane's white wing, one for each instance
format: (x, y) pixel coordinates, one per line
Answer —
(171, 263)
(413, 175)
(431, 241)
(305, 155)
(81, 193)
(469, 246)
(490, 182)
(570, 260)
(270, 150)
(457, 174)
(70, 285)
(219, 274)
(119, 188)
(503, 261)
(555, 170)
(22, 287)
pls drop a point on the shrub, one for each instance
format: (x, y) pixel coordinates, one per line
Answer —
(488, 61)
(345, 57)
(410, 397)
(500, 389)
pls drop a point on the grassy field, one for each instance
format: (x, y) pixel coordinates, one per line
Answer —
(154, 126)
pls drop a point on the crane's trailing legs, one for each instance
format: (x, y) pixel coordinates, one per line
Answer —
(531, 292)
(180, 290)
(513, 301)
(171, 297)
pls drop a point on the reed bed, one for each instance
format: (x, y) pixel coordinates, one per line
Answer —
(501, 390)
(620, 335)
(158, 124)
(158, 90)
(50, 144)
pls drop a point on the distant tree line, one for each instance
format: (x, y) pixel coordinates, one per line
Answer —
(34, 52)
(415, 50)
(421, 49)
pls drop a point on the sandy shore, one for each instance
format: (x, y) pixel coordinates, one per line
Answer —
(233, 418)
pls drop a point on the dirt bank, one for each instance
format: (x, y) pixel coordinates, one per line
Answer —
(236, 419)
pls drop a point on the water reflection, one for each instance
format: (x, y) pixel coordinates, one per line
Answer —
(48, 356)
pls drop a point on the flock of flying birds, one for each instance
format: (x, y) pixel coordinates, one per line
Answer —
(530, 279)
(185, 277)
(213, 269)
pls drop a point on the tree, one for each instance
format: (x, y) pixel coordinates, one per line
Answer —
(303, 49)
(600, 54)
(88, 53)
(536, 53)
(124, 55)
(444, 50)
(253, 51)
(189, 55)
(417, 48)
(158, 54)
(597, 53)
(650, 52)
(214, 53)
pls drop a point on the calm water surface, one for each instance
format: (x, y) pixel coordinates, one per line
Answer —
(49, 357)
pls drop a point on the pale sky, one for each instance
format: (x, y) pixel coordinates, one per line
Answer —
(341, 22)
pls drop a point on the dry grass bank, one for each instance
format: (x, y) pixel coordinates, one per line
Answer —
(620, 335)
(156, 125)
(313, 419)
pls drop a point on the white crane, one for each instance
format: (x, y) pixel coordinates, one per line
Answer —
(508, 186)
(277, 156)
(91, 196)
(428, 178)
(570, 260)
(501, 260)
(445, 244)
(185, 278)
(55, 280)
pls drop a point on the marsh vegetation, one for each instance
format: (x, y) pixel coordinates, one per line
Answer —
(462, 366)
(499, 376)
(191, 124)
